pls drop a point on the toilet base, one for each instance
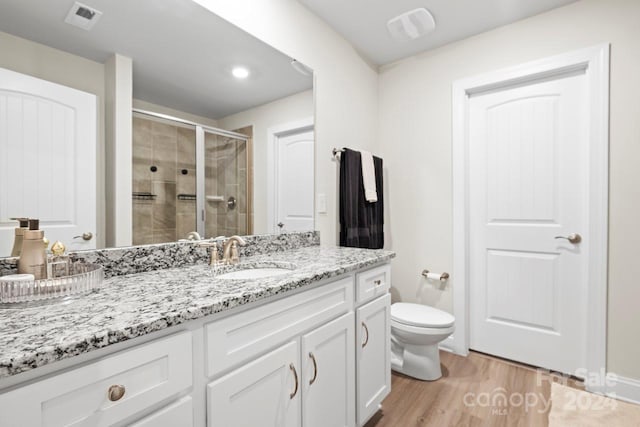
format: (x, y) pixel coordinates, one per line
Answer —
(418, 361)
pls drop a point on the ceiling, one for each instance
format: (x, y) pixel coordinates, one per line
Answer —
(182, 53)
(363, 22)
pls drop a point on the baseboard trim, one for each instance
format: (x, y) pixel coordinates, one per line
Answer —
(626, 389)
(448, 345)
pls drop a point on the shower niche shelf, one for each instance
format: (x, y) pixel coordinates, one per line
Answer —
(144, 196)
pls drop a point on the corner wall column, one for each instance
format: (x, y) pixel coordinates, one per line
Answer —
(118, 142)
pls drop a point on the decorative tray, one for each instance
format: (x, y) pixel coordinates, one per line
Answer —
(84, 278)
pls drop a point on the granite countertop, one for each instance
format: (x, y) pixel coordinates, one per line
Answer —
(138, 304)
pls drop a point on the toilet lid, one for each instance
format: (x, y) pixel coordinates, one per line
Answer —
(420, 315)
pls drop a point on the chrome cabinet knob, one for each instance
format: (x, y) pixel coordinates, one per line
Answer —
(573, 238)
(85, 236)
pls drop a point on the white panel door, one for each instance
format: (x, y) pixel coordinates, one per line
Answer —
(294, 182)
(528, 187)
(328, 375)
(47, 159)
(264, 392)
(373, 356)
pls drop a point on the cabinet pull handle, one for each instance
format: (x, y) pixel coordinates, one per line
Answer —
(116, 392)
(315, 368)
(295, 375)
(366, 341)
(377, 282)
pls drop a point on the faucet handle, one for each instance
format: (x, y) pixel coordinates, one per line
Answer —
(214, 256)
(235, 256)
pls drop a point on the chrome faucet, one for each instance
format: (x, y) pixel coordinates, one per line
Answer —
(230, 249)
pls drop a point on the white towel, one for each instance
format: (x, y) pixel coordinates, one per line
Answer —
(369, 177)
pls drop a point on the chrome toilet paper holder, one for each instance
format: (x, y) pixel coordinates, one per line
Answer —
(443, 277)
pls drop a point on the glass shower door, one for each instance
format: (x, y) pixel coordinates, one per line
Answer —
(225, 185)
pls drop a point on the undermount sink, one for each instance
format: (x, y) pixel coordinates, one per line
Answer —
(245, 272)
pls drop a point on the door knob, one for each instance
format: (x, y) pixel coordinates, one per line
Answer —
(573, 238)
(85, 236)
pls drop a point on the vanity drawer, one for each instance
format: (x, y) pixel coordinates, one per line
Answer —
(179, 413)
(149, 373)
(244, 336)
(373, 283)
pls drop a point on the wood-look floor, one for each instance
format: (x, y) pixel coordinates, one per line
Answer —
(470, 394)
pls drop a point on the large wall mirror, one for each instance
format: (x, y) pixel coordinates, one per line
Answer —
(139, 122)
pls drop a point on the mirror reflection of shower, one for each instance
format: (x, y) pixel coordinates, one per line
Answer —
(189, 181)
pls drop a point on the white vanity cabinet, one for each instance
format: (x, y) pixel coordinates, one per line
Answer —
(318, 357)
(373, 351)
(310, 372)
(107, 391)
(309, 380)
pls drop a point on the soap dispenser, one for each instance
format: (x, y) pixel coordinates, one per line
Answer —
(33, 257)
(17, 241)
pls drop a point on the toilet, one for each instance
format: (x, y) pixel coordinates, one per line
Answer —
(416, 331)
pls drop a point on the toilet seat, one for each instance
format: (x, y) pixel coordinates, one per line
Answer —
(418, 315)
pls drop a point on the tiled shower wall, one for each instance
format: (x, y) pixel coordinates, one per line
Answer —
(172, 151)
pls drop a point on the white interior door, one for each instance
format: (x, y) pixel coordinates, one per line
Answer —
(528, 157)
(47, 159)
(294, 181)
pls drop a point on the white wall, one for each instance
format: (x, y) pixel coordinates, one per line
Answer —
(38, 60)
(285, 110)
(345, 85)
(415, 134)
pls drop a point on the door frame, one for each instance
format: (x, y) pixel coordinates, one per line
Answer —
(594, 61)
(273, 134)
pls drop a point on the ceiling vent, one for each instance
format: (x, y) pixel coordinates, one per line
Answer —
(411, 25)
(83, 16)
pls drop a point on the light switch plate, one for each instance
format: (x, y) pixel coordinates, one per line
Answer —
(321, 203)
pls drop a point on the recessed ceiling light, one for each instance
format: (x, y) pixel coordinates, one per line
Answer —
(240, 72)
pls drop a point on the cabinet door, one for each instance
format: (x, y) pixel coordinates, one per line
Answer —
(328, 375)
(265, 392)
(373, 326)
